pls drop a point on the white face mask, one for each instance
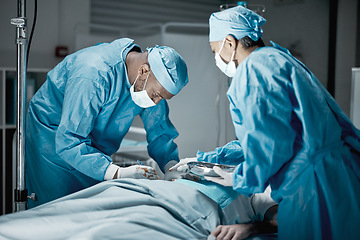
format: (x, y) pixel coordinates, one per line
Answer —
(141, 98)
(228, 68)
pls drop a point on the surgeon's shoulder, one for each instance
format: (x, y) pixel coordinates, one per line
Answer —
(269, 61)
(87, 57)
(106, 54)
(266, 56)
(123, 42)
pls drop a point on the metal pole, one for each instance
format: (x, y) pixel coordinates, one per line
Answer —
(21, 42)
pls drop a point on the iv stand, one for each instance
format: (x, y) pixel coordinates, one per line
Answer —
(20, 193)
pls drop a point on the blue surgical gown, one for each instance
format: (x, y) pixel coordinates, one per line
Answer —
(296, 138)
(79, 117)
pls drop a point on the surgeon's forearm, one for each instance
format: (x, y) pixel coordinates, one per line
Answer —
(231, 154)
(163, 150)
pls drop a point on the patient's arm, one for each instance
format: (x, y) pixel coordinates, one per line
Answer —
(245, 230)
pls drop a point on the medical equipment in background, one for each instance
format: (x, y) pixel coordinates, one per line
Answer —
(205, 169)
(23, 47)
(355, 97)
(22, 43)
(257, 8)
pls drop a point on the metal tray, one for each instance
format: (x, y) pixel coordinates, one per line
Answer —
(206, 169)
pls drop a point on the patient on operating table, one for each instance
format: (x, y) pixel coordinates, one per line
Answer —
(147, 209)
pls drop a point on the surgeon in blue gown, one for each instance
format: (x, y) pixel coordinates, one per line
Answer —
(291, 134)
(80, 115)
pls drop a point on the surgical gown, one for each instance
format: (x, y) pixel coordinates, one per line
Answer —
(296, 138)
(79, 117)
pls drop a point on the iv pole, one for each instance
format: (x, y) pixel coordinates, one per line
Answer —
(20, 193)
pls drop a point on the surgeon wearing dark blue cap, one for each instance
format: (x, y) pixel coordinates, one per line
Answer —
(291, 134)
(80, 115)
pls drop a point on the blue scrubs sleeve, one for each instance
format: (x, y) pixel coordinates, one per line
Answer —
(230, 154)
(83, 99)
(262, 112)
(160, 134)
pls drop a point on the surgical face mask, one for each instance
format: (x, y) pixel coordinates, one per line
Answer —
(228, 68)
(141, 98)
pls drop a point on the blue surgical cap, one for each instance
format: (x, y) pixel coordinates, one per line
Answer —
(237, 21)
(168, 67)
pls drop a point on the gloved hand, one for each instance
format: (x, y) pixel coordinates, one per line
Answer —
(138, 172)
(182, 165)
(226, 177)
(171, 174)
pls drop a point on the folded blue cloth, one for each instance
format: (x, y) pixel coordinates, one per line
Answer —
(222, 195)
